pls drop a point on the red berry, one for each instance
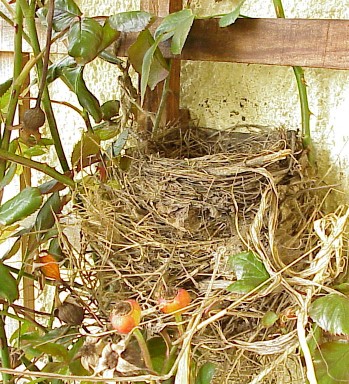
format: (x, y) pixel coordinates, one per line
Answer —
(176, 303)
(126, 315)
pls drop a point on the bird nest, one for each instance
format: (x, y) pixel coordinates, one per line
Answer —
(185, 205)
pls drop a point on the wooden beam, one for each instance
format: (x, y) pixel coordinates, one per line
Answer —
(290, 42)
(303, 42)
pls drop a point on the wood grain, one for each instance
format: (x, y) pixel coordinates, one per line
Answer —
(289, 42)
(303, 42)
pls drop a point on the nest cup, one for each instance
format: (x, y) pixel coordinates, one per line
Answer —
(186, 203)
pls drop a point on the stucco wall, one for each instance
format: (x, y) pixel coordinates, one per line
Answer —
(222, 95)
(267, 95)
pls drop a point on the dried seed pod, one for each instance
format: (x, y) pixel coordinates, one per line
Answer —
(33, 119)
(70, 312)
(91, 352)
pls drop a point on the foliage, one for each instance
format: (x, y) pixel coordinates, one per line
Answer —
(249, 271)
(30, 219)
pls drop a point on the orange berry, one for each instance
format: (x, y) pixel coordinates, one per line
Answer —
(126, 315)
(49, 267)
(176, 303)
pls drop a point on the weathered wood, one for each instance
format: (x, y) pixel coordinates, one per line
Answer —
(290, 42)
(304, 42)
(161, 8)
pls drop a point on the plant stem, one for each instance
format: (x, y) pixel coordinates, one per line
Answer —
(46, 59)
(144, 349)
(16, 87)
(303, 96)
(178, 318)
(162, 103)
(5, 354)
(169, 360)
(29, 14)
(42, 167)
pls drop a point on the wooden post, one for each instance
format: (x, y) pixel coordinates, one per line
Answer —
(162, 8)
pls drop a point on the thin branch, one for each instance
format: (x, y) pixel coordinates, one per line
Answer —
(42, 167)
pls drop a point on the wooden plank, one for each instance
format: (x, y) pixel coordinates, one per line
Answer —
(304, 42)
(290, 42)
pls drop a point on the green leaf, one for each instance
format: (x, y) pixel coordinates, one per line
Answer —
(133, 21)
(85, 39)
(77, 369)
(12, 250)
(331, 313)
(231, 17)
(8, 176)
(109, 35)
(148, 60)
(4, 101)
(342, 287)
(46, 217)
(66, 11)
(110, 57)
(53, 349)
(5, 86)
(20, 206)
(108, 130)
(176, 25)
(314, 338)
(331, 363)
(51, 186)
(155, 69)
(269, 319)
(157, 350)
(170, 23)
(206, 373)
(55, 249)
(249, 271)
(86, 147)
(120, 142)
(181, 34)
(110, 109)
(56, 69)
(87, 100)
(35, 151)
(8, 286)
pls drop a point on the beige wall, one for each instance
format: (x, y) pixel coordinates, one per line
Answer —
(221, 95)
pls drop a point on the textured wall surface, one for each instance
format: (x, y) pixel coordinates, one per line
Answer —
(222, 95)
